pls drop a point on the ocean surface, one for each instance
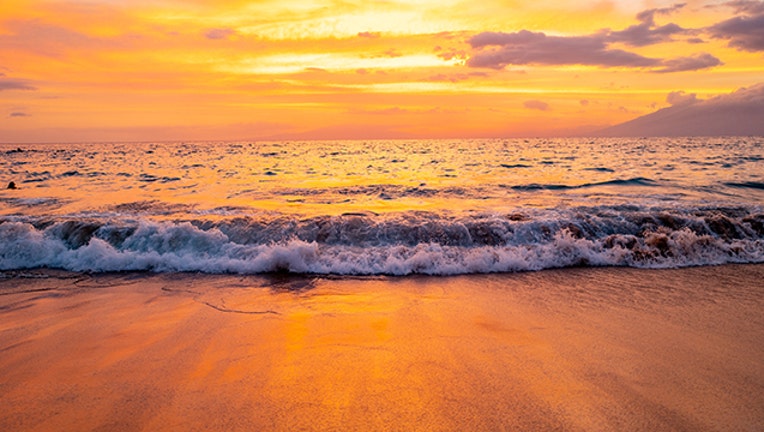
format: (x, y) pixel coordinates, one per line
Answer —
(382, 207)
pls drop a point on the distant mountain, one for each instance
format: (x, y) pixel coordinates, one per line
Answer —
(740, 113)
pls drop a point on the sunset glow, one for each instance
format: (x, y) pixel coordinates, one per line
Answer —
(123, 70)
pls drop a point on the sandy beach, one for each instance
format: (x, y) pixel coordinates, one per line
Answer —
(574, 349)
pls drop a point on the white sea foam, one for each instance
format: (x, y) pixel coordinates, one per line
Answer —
(348, 249)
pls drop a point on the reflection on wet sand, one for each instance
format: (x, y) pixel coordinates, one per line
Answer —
(577, 349)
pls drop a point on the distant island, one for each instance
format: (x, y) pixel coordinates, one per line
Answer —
(738, 113)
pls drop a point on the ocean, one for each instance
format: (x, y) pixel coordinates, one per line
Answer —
(399, 207)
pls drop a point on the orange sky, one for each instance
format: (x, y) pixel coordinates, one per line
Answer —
(126, 70)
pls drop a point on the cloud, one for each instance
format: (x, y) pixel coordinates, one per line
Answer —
(219, 33)
(646, 32)
(450, 53)
(498, 50)
(751, 97)
(45, 39)
(584, 102)
(648, 16)
(19, 114)
(752, 7)
(681, 98)
(392, 53)
(526, 47)
(10, 84)
(746, 33)
(684, 64)
(536, 105)
(370, 35)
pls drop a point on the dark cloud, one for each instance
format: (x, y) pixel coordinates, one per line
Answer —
(646, 32)
(525, 47)
(746, 33)
(536, 105)
(10, 84)
(497, 50)
(681, 98)
(683, 64)
(648, 16)
(19, 114)
(751, 7)
(219, 33)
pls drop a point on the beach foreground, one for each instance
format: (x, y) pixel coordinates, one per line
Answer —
(574, 349)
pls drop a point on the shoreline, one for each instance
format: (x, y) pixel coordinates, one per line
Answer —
(609, 348)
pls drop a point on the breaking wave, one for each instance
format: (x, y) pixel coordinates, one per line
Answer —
(401, 244)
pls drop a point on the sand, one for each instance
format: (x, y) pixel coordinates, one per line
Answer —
(575, 349)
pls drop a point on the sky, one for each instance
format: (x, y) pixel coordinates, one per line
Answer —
(139, 70)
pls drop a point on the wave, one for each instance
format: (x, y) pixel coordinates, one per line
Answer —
(747, 185)
(401, 244)
(637, 181)
(510, 166)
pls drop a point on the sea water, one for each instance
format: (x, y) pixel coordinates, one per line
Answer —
(382, 207)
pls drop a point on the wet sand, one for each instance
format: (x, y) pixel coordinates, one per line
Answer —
(576, 349)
